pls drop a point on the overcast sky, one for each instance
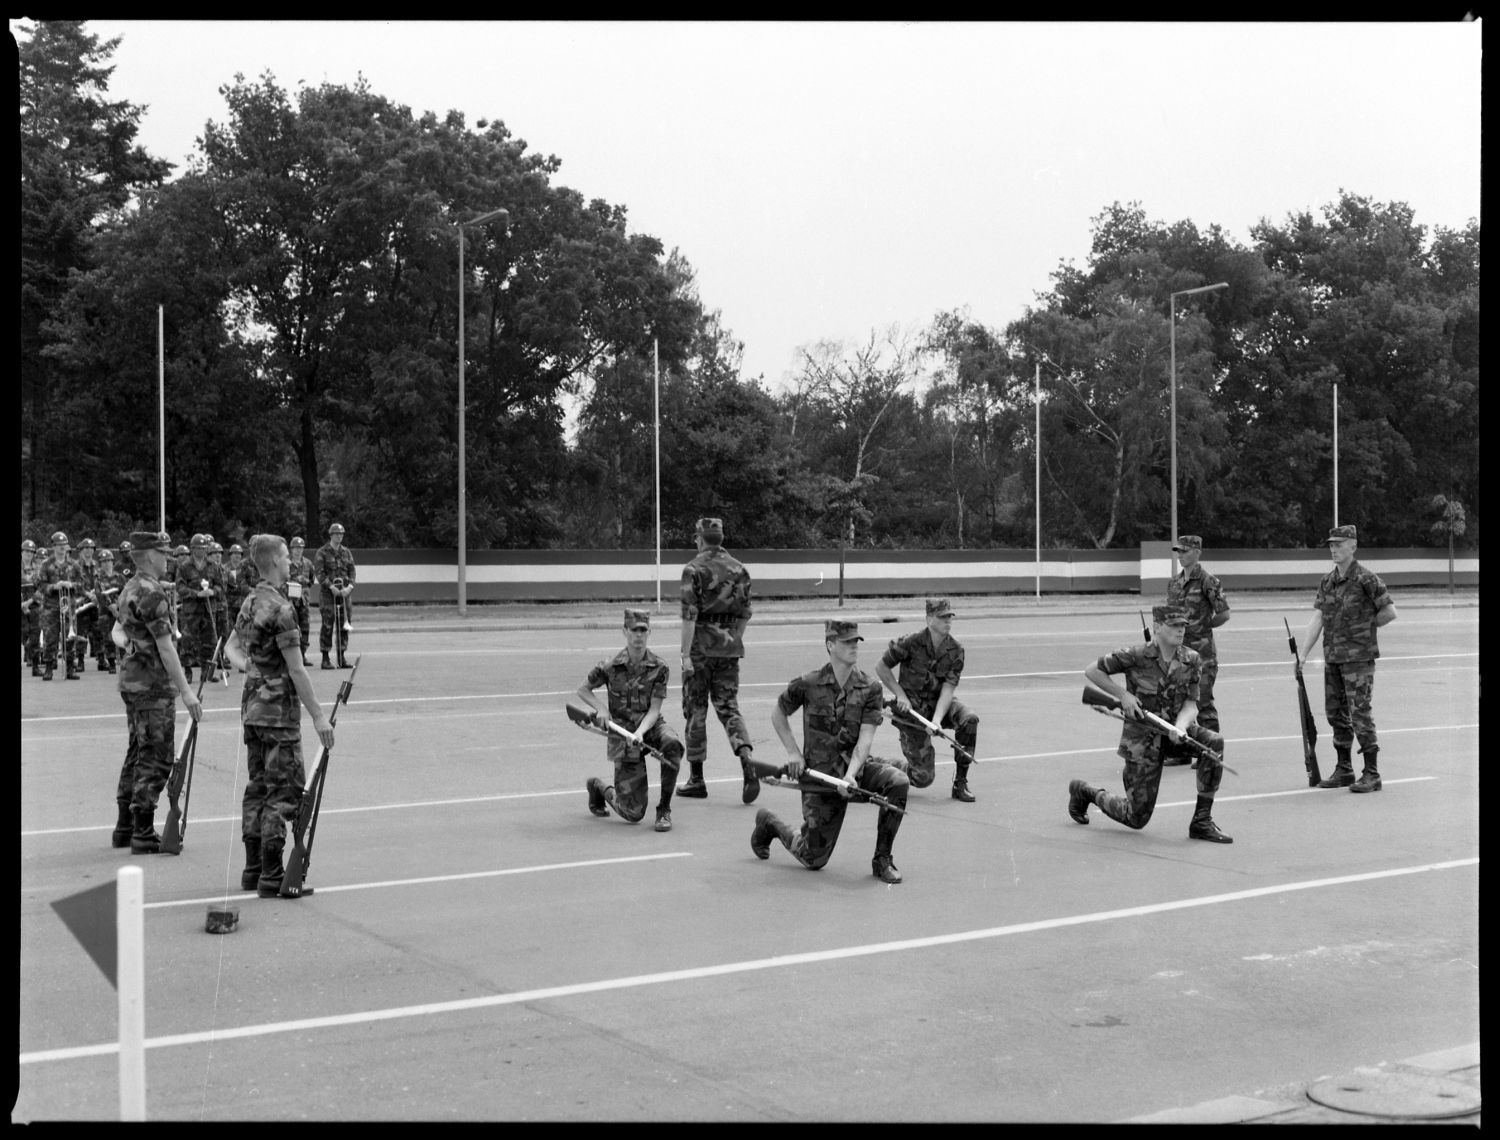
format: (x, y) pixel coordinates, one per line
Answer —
(828, 179)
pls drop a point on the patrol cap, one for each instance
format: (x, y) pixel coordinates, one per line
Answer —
(1339, 533)
(841, 631)
(637, 619)
(151, 540)
(86, 543)
(1169, 615)
(939, 607)
(1188, 542)
(59, 537)
(336, 528)
(27, 544)
(296, 541)
(709, 528)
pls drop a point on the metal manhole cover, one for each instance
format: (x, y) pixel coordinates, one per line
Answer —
(1419, 1096)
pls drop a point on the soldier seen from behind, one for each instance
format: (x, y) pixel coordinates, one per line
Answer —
(31, 623)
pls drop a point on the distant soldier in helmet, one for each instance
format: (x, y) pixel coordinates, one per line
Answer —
(199, 587)
(88, 620)
(30, 608)
(107, 587)
(124, 564)
(298, 588)
(58, 588)
(334, 568)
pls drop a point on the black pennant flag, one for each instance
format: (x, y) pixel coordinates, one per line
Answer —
(90, 915)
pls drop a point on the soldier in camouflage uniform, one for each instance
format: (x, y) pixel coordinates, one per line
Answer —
(1201, 595)
(31, 624)
(221, 611)
(636, 680)
(87, 620)
(333, 567)
(199, 589)
(57, 587)
(265, 647)
(236, 588)
(1161, 677)
(107, 587)
(840, 711)
(932, 661)
(124, 564)
(298, 588)
(151, 678)
(1351, 604)
(716, 609)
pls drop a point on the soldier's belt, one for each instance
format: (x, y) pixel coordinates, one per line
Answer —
(724, 620)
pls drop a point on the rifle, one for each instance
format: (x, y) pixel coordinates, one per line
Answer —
(174, 830)
(305, 827)
(588, 720)
(814, 781)
(216, 662)
(1100, 701)
(1309, 726)
(958, 749)
(1145, 629)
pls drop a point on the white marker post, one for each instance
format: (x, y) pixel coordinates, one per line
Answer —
(130, 984)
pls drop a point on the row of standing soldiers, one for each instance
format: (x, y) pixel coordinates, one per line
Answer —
(69, 604)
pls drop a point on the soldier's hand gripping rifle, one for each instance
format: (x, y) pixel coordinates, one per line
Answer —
(919, 721)
(1101, 702)
(305, 827)
(814, 781)
(180, 782)
(590, 721)
(1309, 726)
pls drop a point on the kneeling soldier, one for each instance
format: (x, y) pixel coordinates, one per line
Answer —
(637, 682)
(1161, 677)
(840, 712)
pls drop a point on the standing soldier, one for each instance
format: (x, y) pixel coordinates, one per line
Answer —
(1161, 677)
(31, 624)
(87, 621)
(125, 565)
(840, 711)
(236, 588)
(222, 616)
(636, 680)
(264, 646)
(715, 611)
(199, 588)
(931, 663)
(151, 678)
(107, 586)
(1201, 595)
(1351, 604)
(297, 589)
(57, 592)
(334, 568)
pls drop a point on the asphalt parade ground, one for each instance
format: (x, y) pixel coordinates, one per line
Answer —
(480, 947)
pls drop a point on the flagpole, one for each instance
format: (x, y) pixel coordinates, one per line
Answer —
(161, 420)
(656, 370)
(1038, 494)
(130, 985)
(1335, 453)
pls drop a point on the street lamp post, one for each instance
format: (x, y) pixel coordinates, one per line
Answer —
(1172, 306)
(463, 527)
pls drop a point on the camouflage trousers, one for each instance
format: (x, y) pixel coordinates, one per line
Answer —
(823, 815)
(632, 786)
(108, 650)
(274, 781)
(1347, 692)
(1208, 712)
(198, 643)
(329, 622)
(151, 751)
(31, 633)
(304, 625)
(916, 744)
(716, 680)
(1142, 776)
(52, 631)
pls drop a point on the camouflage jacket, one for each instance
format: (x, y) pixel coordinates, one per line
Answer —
(49, 574)
(329, 564)
(831, 717)
(266, 624)
(1202, 596)
(924, 670)
(1162, 691)
(632, 688)
(190, 577)
(107, 580)
(237, 585)
(28, 583)
(87, 572)
(1349, 605)
(718, 586)
(144, 616)
(302, 574)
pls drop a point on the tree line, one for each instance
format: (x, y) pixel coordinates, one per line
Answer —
(306, 265)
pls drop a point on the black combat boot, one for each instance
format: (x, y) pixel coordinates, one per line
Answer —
(109, 663)
(695, 788)
(886, 826)
(250, 876)
(143, 839)
(120, 836)
(36, 666)
(1343, 771)
(1369, 779)
(72, 665)
(327, 664)
(961, 783)
(596, 796)
(343, 664)
(752, 781)
(1203, 825)
(768, 826)
(1080, 796)
(268, 884)
(47, 671)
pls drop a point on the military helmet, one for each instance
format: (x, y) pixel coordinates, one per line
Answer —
(59, 537)
(27, 544)
(336, 528)
(297, 541)
(236, 549)
(215, 548)
(180, 551)
(87, 543)
(107, 553)
(125, 547)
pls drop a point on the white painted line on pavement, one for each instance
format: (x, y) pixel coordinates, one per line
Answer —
(781, 961)
(439, 878)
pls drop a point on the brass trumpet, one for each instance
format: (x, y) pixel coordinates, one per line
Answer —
(341, 604)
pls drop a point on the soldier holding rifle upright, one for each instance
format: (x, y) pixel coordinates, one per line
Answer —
(1161, 677)
(334, 567)
(1201, 596)
(199, 587)
(1351, 604)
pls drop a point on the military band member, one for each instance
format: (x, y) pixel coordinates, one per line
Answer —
(636, 683)
(236, 587)
(1201, 595)
(31, 609)
(107, 586)
(1161, 677)
(199, 587)
(58, 592)
(334, 568)
(151, 678)
(932, 661)
(716, 608)
(124, 564)
(840, 711)
(1352, 603)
